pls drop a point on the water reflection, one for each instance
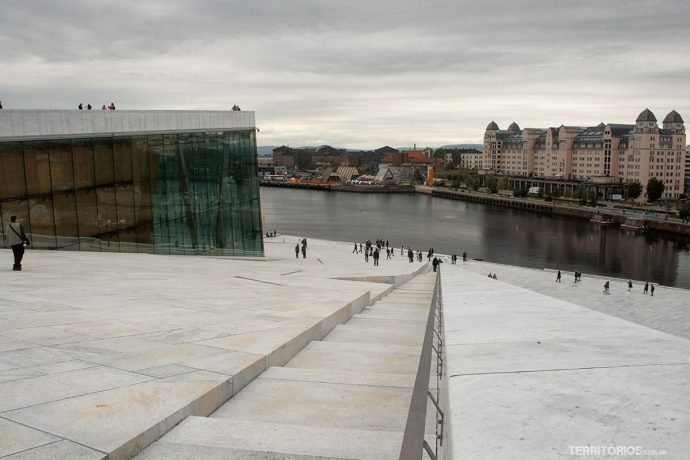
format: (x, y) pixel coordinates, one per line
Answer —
(495, 234)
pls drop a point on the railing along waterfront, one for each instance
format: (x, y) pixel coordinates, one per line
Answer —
(414, 443)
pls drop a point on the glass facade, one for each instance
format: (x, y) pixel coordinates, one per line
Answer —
(170, 193)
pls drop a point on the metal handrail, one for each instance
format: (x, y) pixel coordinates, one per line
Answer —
(414, 443)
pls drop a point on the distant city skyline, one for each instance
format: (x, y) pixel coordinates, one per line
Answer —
(359, 74)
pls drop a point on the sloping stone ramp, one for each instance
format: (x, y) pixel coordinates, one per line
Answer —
(344, 397)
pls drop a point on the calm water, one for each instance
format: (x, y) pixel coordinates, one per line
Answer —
(495, 234)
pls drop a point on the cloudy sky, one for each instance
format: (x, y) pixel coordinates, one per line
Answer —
(357, 73)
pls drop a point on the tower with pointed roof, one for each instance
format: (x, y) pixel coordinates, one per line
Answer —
(674, 123)
(646, 122)
(492, 148)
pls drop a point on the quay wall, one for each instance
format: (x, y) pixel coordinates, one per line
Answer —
(616, 216)
(342, 188)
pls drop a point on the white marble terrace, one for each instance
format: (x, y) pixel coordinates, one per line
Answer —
(103, 354)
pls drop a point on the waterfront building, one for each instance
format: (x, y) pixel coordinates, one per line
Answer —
(164, 182)
(405, 174)
(305, 157)
(602, 154)
(467, 158)
(346, 173)
(687, 172)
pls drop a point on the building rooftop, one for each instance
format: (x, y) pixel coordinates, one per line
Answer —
(673, 117)
(492, 126)
(646, 115)
(21, 124)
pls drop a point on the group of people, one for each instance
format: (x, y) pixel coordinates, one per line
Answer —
(303, 242)
(454, 258)
(88, 106)
(374, 251)
(271, 234)
(236, 108)
(607, 285)
(576, 273)
(646, 289)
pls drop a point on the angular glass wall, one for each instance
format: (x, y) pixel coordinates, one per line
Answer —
(180, 193)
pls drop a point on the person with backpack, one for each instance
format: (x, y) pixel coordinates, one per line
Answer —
(17, 240)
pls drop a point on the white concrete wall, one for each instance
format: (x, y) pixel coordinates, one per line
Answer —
(48, 123)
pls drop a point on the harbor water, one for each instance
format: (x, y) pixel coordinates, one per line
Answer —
(492, 233)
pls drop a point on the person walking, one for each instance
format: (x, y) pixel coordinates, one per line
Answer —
(646, 288)
(558, 277)
(360, 248)
(410, 255)
(606, 288)
(434, 263)
(629, 285)
(652, 293)
(366, 256)
(354, 251)
(388, 253)
(464, 256)
(304, 250)
(376, 257)
(16, 239)
(297, 250)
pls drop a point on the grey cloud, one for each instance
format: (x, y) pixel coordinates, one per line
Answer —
(358, 72)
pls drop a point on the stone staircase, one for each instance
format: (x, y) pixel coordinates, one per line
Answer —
(344, 397)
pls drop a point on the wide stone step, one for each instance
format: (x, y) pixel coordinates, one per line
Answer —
(319, 404)
(341, 376)
(399, 306)
(401, 324)
(346, 396)
(373, 313)
(359, 334)
(357, 360)
(221, 438)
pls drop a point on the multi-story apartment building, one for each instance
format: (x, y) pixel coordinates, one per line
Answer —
(687, 172)
(468, 158)
(606, 153)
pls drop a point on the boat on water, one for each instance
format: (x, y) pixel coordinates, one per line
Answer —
(636, 225)
(602, 220)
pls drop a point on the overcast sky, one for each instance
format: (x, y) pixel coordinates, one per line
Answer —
(357, 73)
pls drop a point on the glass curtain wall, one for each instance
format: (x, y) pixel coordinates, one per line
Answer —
(177, 193)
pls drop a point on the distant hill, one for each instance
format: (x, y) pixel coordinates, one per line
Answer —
(479, 147)
(265, 150)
